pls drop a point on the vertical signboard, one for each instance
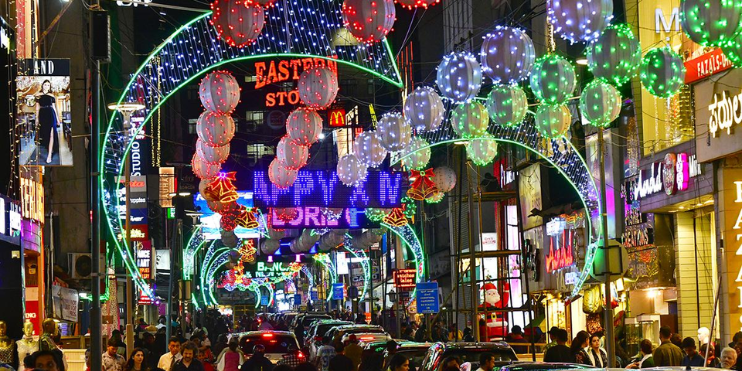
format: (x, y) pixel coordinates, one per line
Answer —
(44, 112)
(427, 298)
(144, 264)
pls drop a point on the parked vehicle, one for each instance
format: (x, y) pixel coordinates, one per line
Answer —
(467, 353)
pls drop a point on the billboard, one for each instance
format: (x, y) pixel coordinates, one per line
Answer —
(210, 220)
(44, 112)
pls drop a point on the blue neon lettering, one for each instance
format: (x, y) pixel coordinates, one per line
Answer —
(328, 185)
(260, 185)
(359, 198)
(304, 185)
(389, 188)
(351, 216)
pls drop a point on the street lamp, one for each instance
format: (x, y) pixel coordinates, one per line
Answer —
(127, 110)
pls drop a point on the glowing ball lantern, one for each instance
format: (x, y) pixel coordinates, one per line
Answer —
(291, 154)
(459, 77)
(304, 126)
(214, 155)
(228, 222)
(219, 92)
(552, 121)
(418, 154)
(733, 50)
(238, 22)
(600, 103)
(553, 79)
(507, 55)
(470, 120)
(482, 151)
(368, 149)
(393, 131)
(711, 22)
(615, 55)
(351, 171)
(410, 4)
(280, 175)
(203, 169)
(444, 178)
(369, 20)
(229, 238)
(424, 110)
(507, 105)
(580, 20)
(318, 87)
(662, 72)
(215, 129)
(268, 247)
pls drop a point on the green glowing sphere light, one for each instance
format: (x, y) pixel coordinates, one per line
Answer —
(553, 79)
(615, 56)
(600, 103)
(662, 72)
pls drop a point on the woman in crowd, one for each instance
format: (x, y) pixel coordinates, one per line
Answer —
(136, 361)
(579, 343)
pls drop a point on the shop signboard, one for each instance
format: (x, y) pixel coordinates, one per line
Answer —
(530, 195)
(404, 279)
(44, 112)
(427, 298)
(564, 235)
(731, 194)
(144, 264)
(706, 65)
(10, 220)
(670, 175)
(323, 188)
(32, 199)
(286, 72)
(316, 217)
(718, 116)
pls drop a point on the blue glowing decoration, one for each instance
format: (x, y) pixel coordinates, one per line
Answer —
(313, 217)
(323, 188)
(507, 55)
(189, 253)
(459, 77)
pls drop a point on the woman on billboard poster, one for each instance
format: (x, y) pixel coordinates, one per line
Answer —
(48, 120)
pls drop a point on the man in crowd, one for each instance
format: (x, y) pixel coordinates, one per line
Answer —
(486, 362)
(189, 361)
(112, 361)
(167, 361)
(667, 354)
(257, 361)
(692, 358)
(559, 352)
(353, 351)
(44, 360)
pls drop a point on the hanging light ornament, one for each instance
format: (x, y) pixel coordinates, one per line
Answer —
(580, 20)
(368, 149)
(470, 120)
(424, 110)
(482, 151)
(733, 50)
(247, 218)
(351, 171)
(270, 246)
(444, 178)
(219, 92)
(711, 22)
(238, 22)
(662, 72)
(376, 214)
(286, 214)
(552, 121)
(421, 184)
(214, 155)
(294, 156)
(459, 77)
(228, 222)
(393, 132)
(435, 198)
(222, 207)
(280, 175)
(553, 79)
(318, 87)
(214, 129)
(223, 187)
(206, 192)
(369, 21)
(247, 251)
(410, 4)
(600, 103)
(203, 169)
(229, 238)
(507, 105)
(304, 126)
(418, 154)
(507, 55)
(615, 56)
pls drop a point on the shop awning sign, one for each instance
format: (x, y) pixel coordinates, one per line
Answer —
(404, 278)
(672, 174)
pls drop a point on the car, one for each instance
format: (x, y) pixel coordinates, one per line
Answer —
(366, 337)
(315, 332)
(276, 343)
(467, 353)
(306, 319)
(376, 346)
(337, 333)
(537, 366)
(413, 350)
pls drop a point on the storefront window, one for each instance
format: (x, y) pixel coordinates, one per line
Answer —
(666, 122)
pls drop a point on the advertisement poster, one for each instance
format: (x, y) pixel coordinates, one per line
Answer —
(65, 303)
(44, 112)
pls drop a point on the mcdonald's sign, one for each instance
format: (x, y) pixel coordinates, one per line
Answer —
(336, 117)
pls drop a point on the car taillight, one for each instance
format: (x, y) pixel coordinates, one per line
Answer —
(301, 355)
(268, 335)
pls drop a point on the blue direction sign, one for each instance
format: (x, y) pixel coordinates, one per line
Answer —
(297, 299)
(313, 295)
(265, 300)
(337, 291)
(427, 297)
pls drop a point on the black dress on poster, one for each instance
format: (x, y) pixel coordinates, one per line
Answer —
(48, 123)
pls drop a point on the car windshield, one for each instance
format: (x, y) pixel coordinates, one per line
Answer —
(307, 320)
(323, 328)
(273, 343)
(358, 330)
(472, 355)
(414, 355)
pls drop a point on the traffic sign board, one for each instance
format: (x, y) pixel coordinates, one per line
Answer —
(427, 297)
(337, 291)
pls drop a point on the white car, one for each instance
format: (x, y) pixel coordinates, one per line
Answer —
(276, 343)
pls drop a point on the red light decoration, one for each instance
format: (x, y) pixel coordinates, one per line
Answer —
(214, 155)
(247, 251)
(228, 222)
(238, 22)
(206, 192)
(563, 256)
(286, 214)
(247, 218)
(264, 3)
(219, 92)
(215, 129)
(203, 169)
(304, 126)
(295, 267)
(318, 87)
(369, 20)
(280, 175)
(293, 155)
(223, 188)
(411, 4)
(421, 185)
(396, 218)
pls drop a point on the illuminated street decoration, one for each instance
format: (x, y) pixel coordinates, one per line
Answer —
(553, 121)
(482, 151)
(237, 22)
(351, 171)
(314, 217)
(507, 105)
(408, 236)
(324, 260)
(247, 251)
(423, 111)
(615, 56)
(507, 55)
(359, 254)
(369, 21)
(580, 20)
(600, 103)
(662, 72)
(553, 79)
(711, 22)
(195, 242)
(459, 77)
(421, 185)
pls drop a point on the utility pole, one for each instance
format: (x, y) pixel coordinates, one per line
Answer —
(96, 334)
(610, 345)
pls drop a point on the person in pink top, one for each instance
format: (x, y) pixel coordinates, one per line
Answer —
(231, 357)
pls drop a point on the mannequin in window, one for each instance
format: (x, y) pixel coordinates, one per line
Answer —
(7, 345)
(27, 345)
(47, 120)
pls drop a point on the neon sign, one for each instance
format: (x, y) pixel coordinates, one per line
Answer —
(563, 255)
(336, 117)
(672, 174)
(272, 72)
(382, 189)
(726, 111)
(314, 217)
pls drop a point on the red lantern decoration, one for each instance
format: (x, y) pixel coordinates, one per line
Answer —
(396, 218)
(206, 192)
(223, 188)
(214, 155)
(294, 156)
(228, 222)
(410, 4)
(264, 3)
(280, 175)
(238, 22)
(318, 87)
(219, 92)
(304, 126)
(421, 185)
(214, 129)
(247, 251)
(247, 218)
(203, 169)
(369, 20)
(286, 214)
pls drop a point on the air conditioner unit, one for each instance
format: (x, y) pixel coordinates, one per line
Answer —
(81, 265)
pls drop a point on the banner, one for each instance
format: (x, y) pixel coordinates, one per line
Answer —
(64, 303)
